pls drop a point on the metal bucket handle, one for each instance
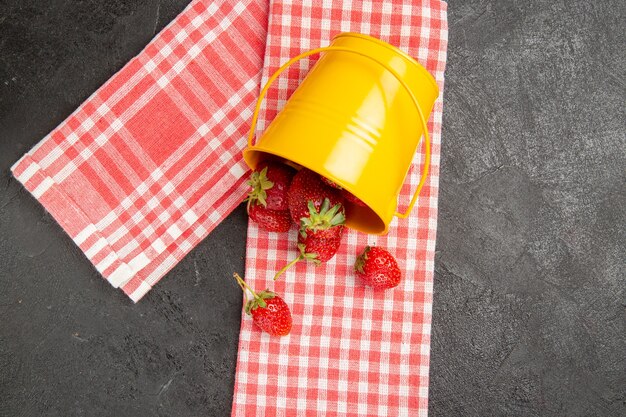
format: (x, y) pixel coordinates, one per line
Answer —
(255, 115)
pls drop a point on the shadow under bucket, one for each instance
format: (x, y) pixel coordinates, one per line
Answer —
(356, 119)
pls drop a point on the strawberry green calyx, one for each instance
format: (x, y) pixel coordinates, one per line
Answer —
(259, 301)
(360, 260)
(260, 184)
(308, 256)
(326, 218)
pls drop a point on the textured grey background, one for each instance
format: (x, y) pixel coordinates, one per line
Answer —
(530, 301)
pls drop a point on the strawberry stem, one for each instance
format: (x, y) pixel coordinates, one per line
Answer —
(245, 287)
(245, 292)
(286, 267)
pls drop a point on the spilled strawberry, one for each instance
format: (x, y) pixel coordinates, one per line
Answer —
(377, 268)
(347, 195)
(320, 234)
(319, 249)
(269, 311)
(270, 184)
(271, 220)
(307, 186)
(267, 201)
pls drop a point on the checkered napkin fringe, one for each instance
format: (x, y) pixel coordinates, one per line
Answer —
(151, 163)
(352, 351)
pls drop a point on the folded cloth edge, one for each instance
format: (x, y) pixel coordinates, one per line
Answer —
(70, 215)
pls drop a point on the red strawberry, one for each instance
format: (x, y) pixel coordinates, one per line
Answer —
(352, 198)
(269, 311)
(319, 249)
(308, 186)
(332, 233)
(377, 268)
(270, 183)
(271, 220)
(331, 183)
(320, 234)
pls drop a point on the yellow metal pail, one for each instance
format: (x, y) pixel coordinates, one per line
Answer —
(357, 119)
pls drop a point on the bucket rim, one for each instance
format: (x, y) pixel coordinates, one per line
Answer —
(392, 48)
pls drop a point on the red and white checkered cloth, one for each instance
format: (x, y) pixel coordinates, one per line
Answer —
(352, 351)
(151, 163)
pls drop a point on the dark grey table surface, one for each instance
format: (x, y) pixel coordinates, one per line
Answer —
(530, 300)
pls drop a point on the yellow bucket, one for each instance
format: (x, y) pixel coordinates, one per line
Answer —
(356, 119)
